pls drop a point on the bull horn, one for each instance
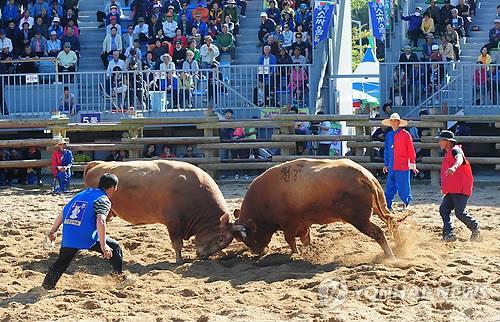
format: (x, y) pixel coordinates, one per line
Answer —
(240, 229)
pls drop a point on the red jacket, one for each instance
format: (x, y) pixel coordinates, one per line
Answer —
(461, 181)
(399, 152)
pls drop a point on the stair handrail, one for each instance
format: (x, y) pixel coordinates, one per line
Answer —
(430, 98)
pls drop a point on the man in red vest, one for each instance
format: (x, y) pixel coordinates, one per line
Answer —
(456, 186)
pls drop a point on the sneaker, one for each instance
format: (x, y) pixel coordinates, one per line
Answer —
(243, 16)
(476, 234)
(236, 176)
(449, 238)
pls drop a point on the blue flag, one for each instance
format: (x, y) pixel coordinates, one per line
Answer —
(377, 17)
(322, 16)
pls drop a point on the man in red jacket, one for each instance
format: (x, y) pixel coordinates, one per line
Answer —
(456, 186)
(399, 159)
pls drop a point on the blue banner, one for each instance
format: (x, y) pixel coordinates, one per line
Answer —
(322, 16)
(377, 17)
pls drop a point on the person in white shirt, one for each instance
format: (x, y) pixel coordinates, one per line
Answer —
(26, 18)
(5, 42)
(208, 53)
(169, 27)
(116, 61)
(136, 45)
(141, 30)
(112, 42)
(113, 24)
(167, 64)
(324, 129)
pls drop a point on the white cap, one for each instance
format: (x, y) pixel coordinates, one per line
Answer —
(263, 14)
(56, 19)
(435, 47)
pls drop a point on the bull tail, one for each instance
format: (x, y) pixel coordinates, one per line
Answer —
(379, 205)
(90, 166)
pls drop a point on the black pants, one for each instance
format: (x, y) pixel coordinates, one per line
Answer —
(66, 255)
(414, 35)
(457, 202)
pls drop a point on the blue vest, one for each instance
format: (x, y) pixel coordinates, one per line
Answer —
(79, 220)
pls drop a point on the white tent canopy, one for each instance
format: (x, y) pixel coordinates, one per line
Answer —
(369, 65)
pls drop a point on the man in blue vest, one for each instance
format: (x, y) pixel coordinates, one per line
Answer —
(84, 227)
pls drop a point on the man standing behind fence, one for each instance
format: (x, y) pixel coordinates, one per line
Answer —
(456, 185)
(62, 160)
(399, 159)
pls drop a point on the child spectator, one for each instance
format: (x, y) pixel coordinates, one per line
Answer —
(150, 151)
(34, 175)
(167, 152)
(117, 156)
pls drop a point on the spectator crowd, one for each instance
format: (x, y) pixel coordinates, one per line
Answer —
(169, 41)
(442, 30)
(32, 29)
(285, 38)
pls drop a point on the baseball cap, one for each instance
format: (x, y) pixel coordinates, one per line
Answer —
(67, 45)
(53, 33)
(263, 14)
(303, 6)
(56, 19)
(497, 20)
(435, 47)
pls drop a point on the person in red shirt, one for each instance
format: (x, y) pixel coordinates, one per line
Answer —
(456, 185)
(399, 159)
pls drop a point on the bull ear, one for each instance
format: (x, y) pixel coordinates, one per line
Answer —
(236, 213)
(224, 219)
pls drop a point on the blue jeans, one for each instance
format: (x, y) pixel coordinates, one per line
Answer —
(398, 181)
(458, 202)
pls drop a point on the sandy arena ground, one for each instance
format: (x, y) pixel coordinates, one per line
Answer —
(341, 277)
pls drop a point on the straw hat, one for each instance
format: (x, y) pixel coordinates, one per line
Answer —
(61, 140)
(395, 116)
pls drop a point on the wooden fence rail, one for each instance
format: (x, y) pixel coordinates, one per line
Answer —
(357, 138)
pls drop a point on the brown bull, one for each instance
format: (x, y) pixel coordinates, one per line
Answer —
(177, 194)
(294, 195)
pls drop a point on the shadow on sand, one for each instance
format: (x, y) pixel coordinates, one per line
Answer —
(238, 269)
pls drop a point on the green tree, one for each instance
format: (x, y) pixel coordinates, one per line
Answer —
(359, 12)
(357, 48)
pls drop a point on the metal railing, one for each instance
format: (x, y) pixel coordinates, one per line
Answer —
(245, 89)
(445, 86)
